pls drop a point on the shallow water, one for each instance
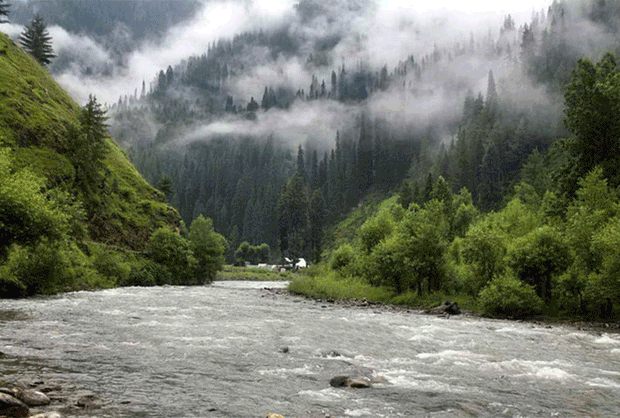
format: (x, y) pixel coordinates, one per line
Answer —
(217, 351)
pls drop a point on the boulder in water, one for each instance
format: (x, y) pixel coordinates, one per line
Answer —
(89, 402)
(12, 407)
(447, 307)
(451, 307)
(351, 382)
(33, 397)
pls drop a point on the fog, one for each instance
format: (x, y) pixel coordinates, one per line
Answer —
(353, 33)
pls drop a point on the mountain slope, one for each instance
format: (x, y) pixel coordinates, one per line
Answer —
(36, 119)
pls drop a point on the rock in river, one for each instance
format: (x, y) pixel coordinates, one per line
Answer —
(351, 382)
(12, 407)
(33, 397)
(89, 402)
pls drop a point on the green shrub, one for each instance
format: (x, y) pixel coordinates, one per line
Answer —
(539, 256)
(342, 258)
(508, 296)
(375, 229)
(331, 286)
(47, 268)
(143, 274)
(569, 292)
(208, 248)
(482, 251)
(110, 264)
(173, 252)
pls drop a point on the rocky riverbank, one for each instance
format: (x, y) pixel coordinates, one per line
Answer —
(40, 399)
(598, 326)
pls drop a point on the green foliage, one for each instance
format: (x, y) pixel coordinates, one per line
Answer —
(36, 40)
(413, 257)
(208, 248)
(328, 285)
(482, 250)
(26, 214)
(342, 258)
(252, 254)
(538, 257)
(293, 217)
(87, 147)
(166, 186)
(595, 204)
(173, 253)
(230, 272)
(46, 268)
(507, 296)
(375, 229)
(113, 265)
(146, 273)
(592, 104)
(602, 288)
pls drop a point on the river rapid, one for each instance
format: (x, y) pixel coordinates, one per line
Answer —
(234, 349)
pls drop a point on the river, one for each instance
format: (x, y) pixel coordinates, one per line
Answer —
(233, 349)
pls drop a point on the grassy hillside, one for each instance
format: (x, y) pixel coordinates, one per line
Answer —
(36, 118)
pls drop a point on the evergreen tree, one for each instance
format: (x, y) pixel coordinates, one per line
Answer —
(87, 147)
(293, 217)
(316, 217)
(36, 40)
(592, 106)
(301, 164)
(4, 11)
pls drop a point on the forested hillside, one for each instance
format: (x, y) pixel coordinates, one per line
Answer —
(551, 248)
(231, 148)
(74, 212)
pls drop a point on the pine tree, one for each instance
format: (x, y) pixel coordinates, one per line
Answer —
(4, 11)
(87, 147)
(37, 41)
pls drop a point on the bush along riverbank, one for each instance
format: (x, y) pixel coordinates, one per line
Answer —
(326, 286)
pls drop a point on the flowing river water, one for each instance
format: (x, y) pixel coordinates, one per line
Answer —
(234, 349)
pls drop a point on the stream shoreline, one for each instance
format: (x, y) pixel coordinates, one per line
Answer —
(598, 326)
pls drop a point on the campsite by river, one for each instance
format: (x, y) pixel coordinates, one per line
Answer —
(239, 349)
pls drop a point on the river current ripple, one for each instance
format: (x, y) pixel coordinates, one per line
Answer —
(218, 351)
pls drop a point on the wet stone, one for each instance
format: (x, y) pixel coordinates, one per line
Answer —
(89, 402)
(12, 407)
(47, 415)
(33, 397)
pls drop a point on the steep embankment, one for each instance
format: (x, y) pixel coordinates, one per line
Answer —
(36, 118)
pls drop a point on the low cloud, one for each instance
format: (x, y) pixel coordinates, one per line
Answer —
(314, 122)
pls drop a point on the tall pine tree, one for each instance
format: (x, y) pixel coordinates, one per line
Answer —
(36, 40)
(4, 11)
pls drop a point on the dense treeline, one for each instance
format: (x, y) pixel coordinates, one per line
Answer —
(552, 247)
(498, 142)
(258, 191)
(487, 145)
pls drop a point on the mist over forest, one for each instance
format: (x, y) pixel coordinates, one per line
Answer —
(229, 100)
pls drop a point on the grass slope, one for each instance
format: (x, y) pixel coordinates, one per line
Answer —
(35, 116)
